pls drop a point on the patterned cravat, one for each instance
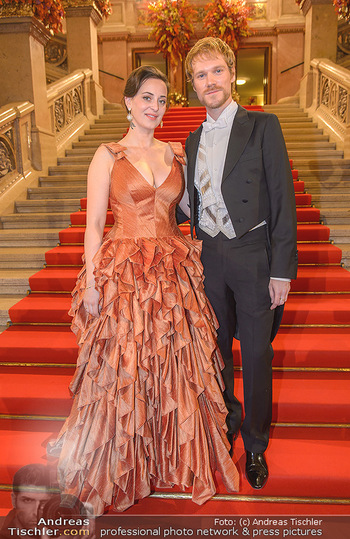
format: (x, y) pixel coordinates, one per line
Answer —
(213, 214)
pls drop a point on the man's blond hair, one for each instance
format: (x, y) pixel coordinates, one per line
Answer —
(209, 46)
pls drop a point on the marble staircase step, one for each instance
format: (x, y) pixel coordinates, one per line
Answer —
(331, 173)
(75, 180)
(108, 119)
(80, 151)
(91, 144)
(331, 200)
(36, 220)
(322, 164)
(68, 170)
(335, 216)
(345, 247)
(98, 128)
(311, 137)
(22, 257)
(300, 146)
(42, 237)
(57, 192)
(6, 302)
(294, 119)
(322, 154)
(47, 205)
(15, 281)
(312, 184)
(340, 234)
(298, 131)
(100, 138)
(75, 159)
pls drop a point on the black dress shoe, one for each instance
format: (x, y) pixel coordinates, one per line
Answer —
(256, 469)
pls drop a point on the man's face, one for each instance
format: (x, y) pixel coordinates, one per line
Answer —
(27, 505)
(212, 81)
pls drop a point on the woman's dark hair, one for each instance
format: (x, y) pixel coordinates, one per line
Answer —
(139, 76)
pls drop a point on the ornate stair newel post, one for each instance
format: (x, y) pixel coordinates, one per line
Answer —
(82, 18)
(22, 41)
(321, 34)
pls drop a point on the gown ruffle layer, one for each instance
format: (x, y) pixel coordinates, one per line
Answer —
(148, 409)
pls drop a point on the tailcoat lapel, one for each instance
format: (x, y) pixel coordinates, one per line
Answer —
(240, 133)
(192, 144)
(192, 149)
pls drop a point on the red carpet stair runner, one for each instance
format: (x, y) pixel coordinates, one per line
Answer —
(309, 452)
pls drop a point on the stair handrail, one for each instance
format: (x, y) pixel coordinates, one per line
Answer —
(69, 102)
(330, 105)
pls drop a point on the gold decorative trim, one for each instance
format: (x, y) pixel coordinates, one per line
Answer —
(238, 498)
(50, 292)
(56, 324)
(41, 365)
(310, 369)
(237, 368)
(313, 425)
(266, 499)
(32, 417)
(320, 292)
(68, 324)
(315, 325)
(8, 488)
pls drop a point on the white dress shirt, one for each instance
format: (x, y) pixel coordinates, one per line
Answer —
(217, 134)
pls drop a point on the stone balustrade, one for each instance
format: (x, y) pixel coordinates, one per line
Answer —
(69, 102)
(15, 142)
(330, 100)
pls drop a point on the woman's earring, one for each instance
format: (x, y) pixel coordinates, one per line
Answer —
(161, 124)
(130, 119)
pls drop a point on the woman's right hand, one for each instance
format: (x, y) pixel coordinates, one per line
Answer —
(91, 301)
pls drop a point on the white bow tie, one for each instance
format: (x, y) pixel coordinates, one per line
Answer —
(218, 124)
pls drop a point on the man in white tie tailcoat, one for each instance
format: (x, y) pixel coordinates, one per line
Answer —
(243, 209)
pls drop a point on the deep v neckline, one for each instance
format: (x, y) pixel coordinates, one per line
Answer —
(142, 176)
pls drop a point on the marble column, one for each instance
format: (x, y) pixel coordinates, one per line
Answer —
(82, 19)
(22, 42)
(321, 31)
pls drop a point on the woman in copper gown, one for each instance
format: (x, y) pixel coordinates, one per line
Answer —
(148, 410)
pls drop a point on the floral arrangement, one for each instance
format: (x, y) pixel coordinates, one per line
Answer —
(343, 8)
(104, 7)
(177, 99)
(49, 12)
(228, 20)
(172, 27)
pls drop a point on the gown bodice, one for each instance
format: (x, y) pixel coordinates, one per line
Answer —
(140, 209)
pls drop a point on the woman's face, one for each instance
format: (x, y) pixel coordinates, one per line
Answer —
(149, 104)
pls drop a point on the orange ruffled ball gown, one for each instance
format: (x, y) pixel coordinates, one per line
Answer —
(148, 409)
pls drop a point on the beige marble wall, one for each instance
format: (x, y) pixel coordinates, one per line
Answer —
(113, 57)
(290, 53)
